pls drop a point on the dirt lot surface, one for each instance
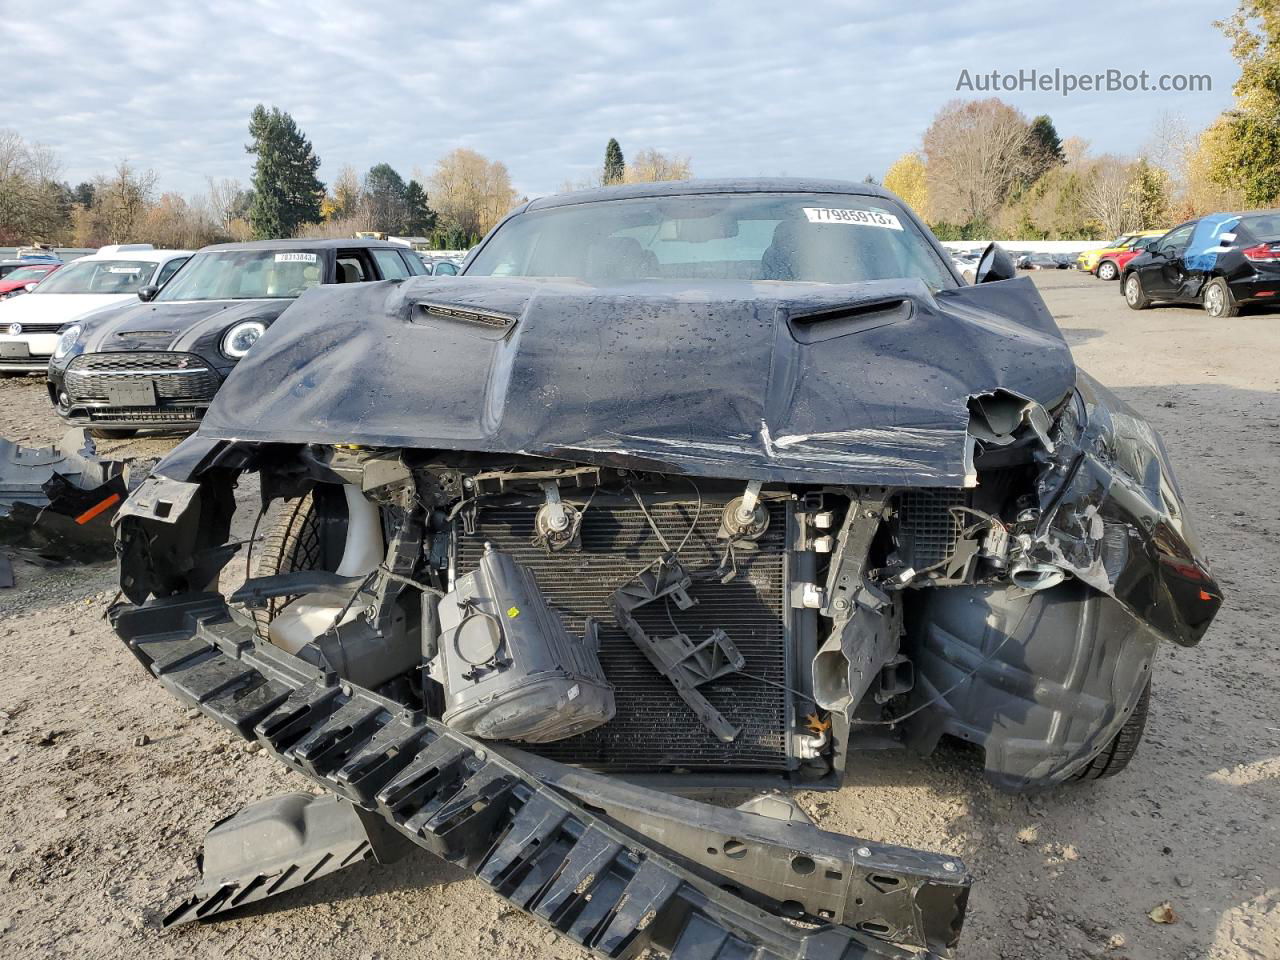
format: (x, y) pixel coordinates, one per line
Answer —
(109, 784)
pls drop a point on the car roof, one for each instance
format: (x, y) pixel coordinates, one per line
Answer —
(153, 255)
(677, 188)
(327, 243)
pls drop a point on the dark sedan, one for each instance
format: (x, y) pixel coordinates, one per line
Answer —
(1223, 261)
(159, 363)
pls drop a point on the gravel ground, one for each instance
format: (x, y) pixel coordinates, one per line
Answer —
(110, 785)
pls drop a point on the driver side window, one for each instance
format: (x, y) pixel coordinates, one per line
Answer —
(1175, 241)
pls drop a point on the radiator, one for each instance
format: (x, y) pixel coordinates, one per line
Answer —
(654, 730)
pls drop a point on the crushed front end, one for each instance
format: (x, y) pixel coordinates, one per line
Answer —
(517, 654)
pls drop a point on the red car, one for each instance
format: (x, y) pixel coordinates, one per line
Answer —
(1120, 259)
(16, 281)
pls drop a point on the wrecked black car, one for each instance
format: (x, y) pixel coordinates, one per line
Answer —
(158, 363)
(678, 486)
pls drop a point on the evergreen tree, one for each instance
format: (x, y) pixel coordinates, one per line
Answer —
(286, 192)
(83, 194)
(385, 190)
(615, 168)
(1045, 142)
(1041, 153)
(420, 219)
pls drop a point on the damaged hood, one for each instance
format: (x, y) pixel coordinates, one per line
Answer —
(864, 383)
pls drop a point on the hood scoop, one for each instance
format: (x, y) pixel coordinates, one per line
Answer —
(816, 326)
(146, 334)
(488, 319)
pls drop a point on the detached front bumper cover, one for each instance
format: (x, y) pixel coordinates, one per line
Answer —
(565, 846)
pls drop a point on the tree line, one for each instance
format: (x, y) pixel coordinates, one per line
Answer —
(464, 195)
(983, 169)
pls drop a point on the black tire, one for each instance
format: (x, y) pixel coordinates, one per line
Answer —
(1218, 300)
(1134, 295)
(292, 542)
(1115, 756)
(1107, 270)
(105, 434)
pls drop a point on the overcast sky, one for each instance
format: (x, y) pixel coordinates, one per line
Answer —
(809, 88)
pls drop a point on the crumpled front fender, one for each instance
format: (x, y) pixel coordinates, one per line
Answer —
(1112, 514)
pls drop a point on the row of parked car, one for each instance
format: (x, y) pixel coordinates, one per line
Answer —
(134, 337)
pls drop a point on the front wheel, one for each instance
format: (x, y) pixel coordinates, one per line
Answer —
(1107, 270)
(1218, 301)
(1134, 295)
(1115, 756)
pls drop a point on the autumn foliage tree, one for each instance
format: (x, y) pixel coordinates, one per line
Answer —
(906, 178)
(470, 193)
(1246, 145)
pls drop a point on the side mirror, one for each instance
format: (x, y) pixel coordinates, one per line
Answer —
(994, 265)
(148, 293)
(30, 286)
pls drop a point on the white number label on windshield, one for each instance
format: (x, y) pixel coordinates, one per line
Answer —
(295, 258)
(862, 218)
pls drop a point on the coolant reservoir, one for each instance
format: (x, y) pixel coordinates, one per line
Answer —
(309, 617)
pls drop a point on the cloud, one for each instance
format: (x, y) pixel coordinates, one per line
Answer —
(832, 89)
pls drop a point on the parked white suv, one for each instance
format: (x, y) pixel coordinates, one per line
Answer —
(29, 324)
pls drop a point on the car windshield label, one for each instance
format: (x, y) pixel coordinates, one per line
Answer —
(295, 258)
(851, 217)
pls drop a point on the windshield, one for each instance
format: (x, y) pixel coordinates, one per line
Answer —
(27, 274)
(826, 238)
(99, 276)
(244, 275)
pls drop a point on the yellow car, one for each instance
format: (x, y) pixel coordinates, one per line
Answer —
(1091, 259)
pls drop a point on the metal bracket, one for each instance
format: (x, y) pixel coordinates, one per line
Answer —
(784, 863)
(688, 665)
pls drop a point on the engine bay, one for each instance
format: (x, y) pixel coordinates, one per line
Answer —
(623, 620)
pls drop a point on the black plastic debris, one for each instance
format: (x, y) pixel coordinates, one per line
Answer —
(57, 502)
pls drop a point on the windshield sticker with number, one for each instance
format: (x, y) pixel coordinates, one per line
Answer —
(295, 258)
(850, 217)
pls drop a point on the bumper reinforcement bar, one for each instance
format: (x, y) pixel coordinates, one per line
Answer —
(591, 876)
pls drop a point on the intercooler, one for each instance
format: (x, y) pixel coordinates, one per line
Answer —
(654, 730)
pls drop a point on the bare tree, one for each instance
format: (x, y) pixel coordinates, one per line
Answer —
(1106, 195)
(470, 193)
(348, 200)
(120, 202)
(1169, 146)
(34, 205)
(1074, 151)
(228, 202)
(650, 165)
(975, 153)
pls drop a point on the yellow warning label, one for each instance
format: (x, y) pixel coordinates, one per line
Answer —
(513, 612)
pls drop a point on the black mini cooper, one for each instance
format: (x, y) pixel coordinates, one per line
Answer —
(158, 363)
